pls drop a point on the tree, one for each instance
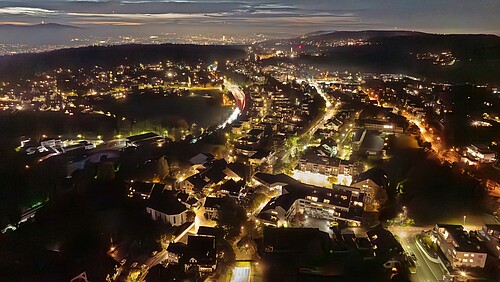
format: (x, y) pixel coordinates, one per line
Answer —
(106, 172)
(256, 200)
(162, 168)
(231, 218)
(332, 179)
(381, 198)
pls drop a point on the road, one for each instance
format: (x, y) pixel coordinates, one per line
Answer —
(238, 95)
(330, 112)
(426, 269)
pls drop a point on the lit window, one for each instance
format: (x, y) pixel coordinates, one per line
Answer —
(465, 260)
(471, 260)
(472, 255)
(466, 255)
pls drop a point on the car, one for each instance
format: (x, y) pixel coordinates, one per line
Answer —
(413, 256)
(134, 264)
(123, 261)
(143, 266)
(153, 253)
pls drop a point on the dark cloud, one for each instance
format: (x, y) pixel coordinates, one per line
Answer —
(280, 15)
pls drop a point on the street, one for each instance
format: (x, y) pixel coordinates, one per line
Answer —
(426, 269)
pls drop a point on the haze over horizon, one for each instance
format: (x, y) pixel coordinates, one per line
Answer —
(294, 17)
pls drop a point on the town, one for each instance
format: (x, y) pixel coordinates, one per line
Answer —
(305, 173)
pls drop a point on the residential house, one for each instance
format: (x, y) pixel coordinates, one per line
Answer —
(460, 248)
(374, 183)
(198, 254)
(164, 205)
(212, 206)
(490, 234)
(231, 188)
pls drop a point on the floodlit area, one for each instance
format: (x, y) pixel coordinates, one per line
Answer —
(312, 178)
(241, 274)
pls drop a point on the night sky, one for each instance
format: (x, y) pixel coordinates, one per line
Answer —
(291, 16)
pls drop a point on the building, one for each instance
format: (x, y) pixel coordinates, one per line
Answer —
(198, 254)
(194, 183)
(384, 243)
(236, 171)
(295, 240)
(374, 183)
(460, 248)
(319, 160)
(149, 138)
(340, 203)
(482, 154)
(201, 254)
(164, 205)
(490, 234)
(273, 181)
(380, 125)
(143, 189)
(197, 162)
(231, 188)
(212, 206)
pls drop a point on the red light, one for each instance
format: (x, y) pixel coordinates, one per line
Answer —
(300, 46)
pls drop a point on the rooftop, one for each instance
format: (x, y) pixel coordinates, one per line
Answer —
(462, 238)
(377, 175)
(165, 202)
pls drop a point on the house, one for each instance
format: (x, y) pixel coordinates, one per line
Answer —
(460, 248)
(197, 162)
(480, 153)
(199, 254)
(164, 205)
(237, 127)
(212, 206)
(201, 159)
(259, 157)
(194, 183)
(175, 251)
(322, 161)
(235, 171)
(384, 243)
(187, 199)
(374, 183)
(143, 189)
(490, 234)
(257, 133)
(231, 188)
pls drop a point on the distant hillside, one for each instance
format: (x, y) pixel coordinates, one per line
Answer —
(11, 27)
(38, 34)
(330, 36)
(110, 56)
(365, 34)
(477, 55)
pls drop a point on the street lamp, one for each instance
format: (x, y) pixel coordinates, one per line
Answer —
(464, 218)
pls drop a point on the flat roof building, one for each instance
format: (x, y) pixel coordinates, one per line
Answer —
(459, 247)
